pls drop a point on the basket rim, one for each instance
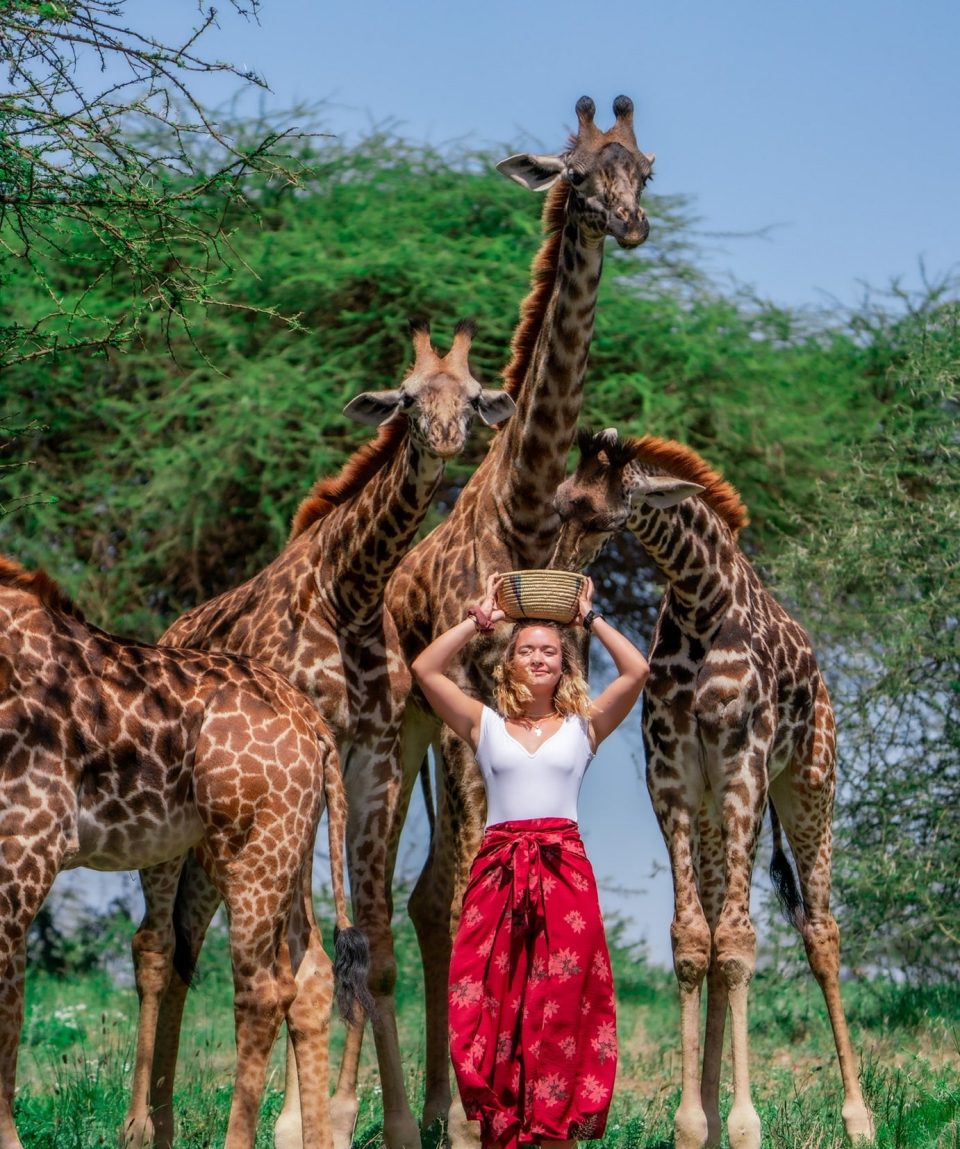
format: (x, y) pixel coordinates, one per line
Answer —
(546, 593)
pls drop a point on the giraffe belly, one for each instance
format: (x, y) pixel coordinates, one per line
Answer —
(134, 843)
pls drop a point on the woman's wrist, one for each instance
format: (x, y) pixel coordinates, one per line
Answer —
(590, 618)
(480, 619)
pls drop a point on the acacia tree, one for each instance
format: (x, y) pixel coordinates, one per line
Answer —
(880, 572)
(110, 162)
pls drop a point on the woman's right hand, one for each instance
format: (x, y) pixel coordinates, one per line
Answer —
(487, 607)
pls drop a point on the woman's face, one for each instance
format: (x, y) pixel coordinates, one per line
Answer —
(537, 657)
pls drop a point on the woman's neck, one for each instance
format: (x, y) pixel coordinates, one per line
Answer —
(540, 708)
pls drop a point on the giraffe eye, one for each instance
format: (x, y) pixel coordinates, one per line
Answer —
(406, 401)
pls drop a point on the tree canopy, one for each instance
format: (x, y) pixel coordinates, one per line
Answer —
(111, 166)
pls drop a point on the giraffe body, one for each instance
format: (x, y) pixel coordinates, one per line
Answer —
(118, 755)
(504, 519)
(316, 613)
(736, 717)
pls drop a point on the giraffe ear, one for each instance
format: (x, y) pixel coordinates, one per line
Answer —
(494, 406)
(537, 173)
(663, 491)
(373, 407)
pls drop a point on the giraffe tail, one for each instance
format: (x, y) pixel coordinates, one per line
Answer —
(351, 950)
(783, 878)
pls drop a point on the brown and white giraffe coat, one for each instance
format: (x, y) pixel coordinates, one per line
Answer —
(504, 517)
(316, 613)
(117, 755)
(736, 714)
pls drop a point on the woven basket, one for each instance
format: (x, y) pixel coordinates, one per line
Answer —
(546, 594)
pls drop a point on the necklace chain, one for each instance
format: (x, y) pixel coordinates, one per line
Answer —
(535, 723)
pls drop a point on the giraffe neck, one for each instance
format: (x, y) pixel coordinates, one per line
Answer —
(694, 550)
(359, 545)
(528, 458)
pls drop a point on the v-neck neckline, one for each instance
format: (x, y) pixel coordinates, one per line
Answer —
(533, 753)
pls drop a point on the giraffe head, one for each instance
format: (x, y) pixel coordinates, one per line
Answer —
(606, 173)
(607, 490)
(439, 397)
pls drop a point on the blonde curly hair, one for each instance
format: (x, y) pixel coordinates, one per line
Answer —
(511, 694)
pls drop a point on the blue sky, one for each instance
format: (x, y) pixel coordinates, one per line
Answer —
(830, 127)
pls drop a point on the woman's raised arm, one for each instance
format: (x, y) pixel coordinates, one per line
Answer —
(459, 710)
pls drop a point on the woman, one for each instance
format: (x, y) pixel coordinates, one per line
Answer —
(532, 1021)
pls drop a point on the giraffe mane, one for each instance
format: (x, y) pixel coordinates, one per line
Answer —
(39, 584)
(685, 463)
(534, 306)
(329, 493)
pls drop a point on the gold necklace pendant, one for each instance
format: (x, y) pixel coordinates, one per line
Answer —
(535, 724)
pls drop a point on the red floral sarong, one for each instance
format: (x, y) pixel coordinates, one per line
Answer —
(532, 1018)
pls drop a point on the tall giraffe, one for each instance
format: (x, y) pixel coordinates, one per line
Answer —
(503, 518)
(736, 717)
(118, 755)
(316, 614)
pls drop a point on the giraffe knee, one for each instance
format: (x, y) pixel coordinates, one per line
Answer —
(821, 939)
(382, 978)
(152, 961)
(735, 946)
(691, 952)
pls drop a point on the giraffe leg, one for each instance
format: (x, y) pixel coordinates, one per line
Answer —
(676, 800)
(735, 940)
(712, 887)
(27, 870)
(305, 1118)
(435, 910)
(258, 886)
(808, 828)
(375, 796)
(196, 901)
(152, 962)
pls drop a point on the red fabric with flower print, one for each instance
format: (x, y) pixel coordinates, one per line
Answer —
(532, 1018)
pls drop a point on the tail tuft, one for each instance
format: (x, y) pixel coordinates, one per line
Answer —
(351, 965)
(784, 880)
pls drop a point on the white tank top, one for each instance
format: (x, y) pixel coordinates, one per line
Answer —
(543, 783)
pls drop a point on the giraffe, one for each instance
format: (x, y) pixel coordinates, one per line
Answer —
(117, 755)
(503, 518)
(736, 718)
(316, 614)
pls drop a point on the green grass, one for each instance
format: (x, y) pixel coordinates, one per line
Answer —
(78, 1041)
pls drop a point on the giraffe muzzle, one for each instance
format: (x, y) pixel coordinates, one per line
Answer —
(634, 232)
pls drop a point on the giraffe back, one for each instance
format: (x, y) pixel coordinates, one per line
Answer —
(134, 752)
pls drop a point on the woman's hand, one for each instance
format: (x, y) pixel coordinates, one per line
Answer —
(585, 600)
(486, 612)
